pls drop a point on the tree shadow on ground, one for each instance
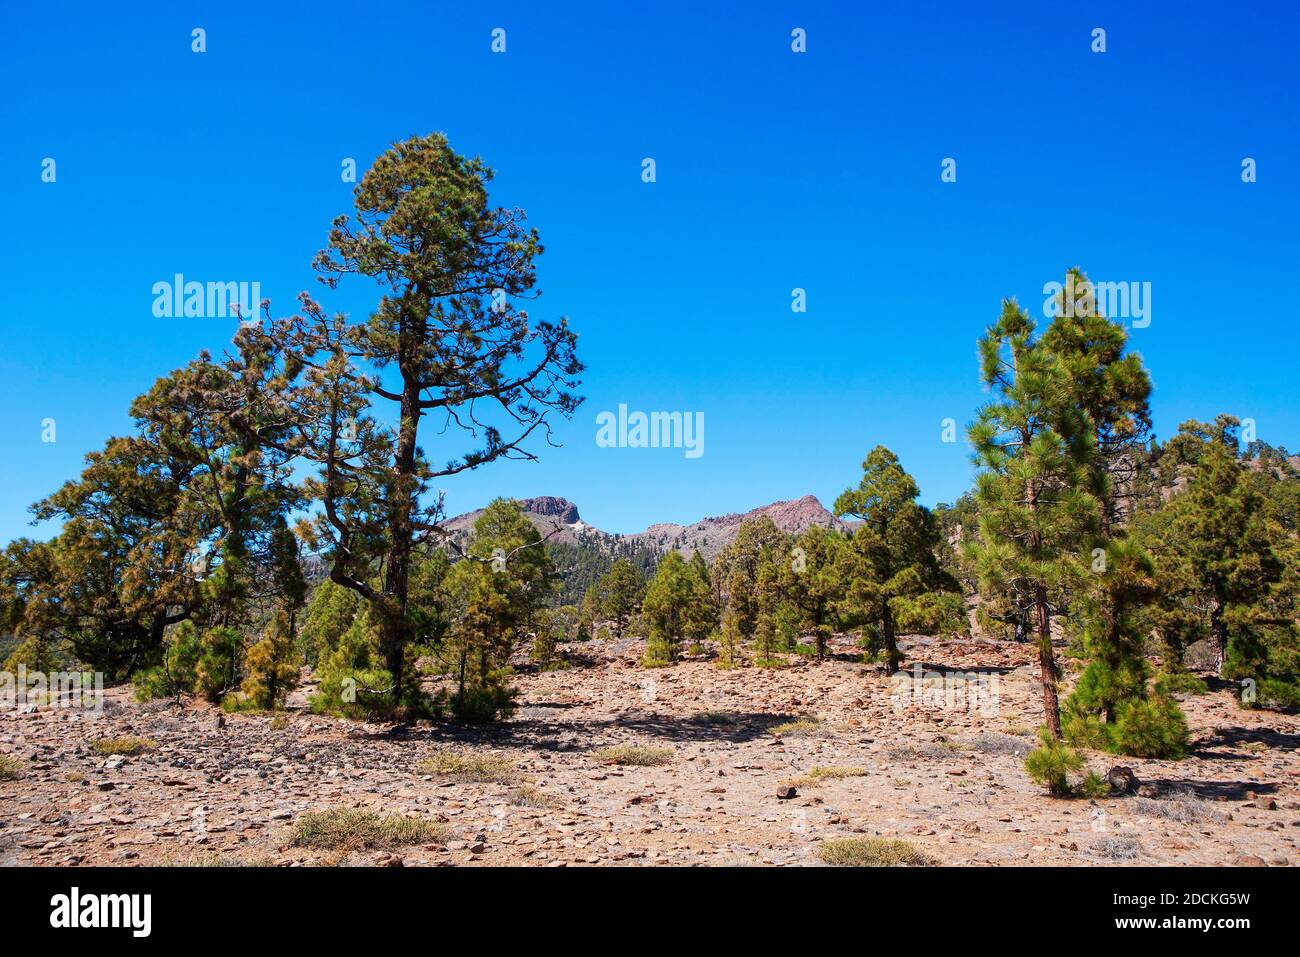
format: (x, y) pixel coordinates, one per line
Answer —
(959, 669)
(1210, 790)
(529, 729)
(1235, 737)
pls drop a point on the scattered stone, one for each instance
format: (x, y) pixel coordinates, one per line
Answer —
(1122, 780)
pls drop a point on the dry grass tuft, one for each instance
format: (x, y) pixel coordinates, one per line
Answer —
(837, 772)
(637, 755)
(873, 852)
(127, 746)
(357, 829)
(526, 795)
(471, 768)
(1182, 806)
(11, 769)
(1118, 848)
(799, 728)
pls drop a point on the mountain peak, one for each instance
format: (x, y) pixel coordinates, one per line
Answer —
(552, 507)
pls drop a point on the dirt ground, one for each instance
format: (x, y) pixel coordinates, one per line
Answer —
(943, 774)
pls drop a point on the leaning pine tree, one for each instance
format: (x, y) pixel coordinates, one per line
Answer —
(1033, 446)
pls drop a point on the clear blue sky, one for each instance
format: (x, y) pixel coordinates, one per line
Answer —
(775, 171)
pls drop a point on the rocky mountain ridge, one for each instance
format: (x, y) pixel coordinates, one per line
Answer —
(560, 519)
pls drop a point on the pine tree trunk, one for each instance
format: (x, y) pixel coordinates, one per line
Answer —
(1047, 666)
(889, 640)
(1112, 659)
(1218, 634)
(393, 625)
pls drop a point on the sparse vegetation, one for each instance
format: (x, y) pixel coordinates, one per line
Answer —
(1119, 847)
(872, 852)
(470, 768)
(1182, 806)
(637, 755)
(799, 728)
(127, 746)
(527, 795)
(999, 744)
(356, 829)
(1053, 763)
(837, 772)
(11, 769)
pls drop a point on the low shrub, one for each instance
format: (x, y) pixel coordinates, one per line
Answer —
(354, 829)
(637, 755)
(872, 852)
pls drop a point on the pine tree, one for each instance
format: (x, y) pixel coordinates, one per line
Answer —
(271, 665)
(891, 562)
(1034, 448)
(769, 606)
(735, 571)
(814, 583)
(1112, 706)
(618, 593)
(494, 593)
(1217, 542)
(674, 609)
(1111, 388)
(729, 640)
(446, 340)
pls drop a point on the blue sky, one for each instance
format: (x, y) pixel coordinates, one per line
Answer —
(775, 170)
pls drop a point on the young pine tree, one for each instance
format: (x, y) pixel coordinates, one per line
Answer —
(1220, 533)
(1034, 448)
(893, 557)
(675, 608)
(618, 593)
(813, 582)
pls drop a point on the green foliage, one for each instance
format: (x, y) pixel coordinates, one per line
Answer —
(1219, 549)
(548, 631)
(729, 640)
(491, 596)
(736, 571)
(1273, 693)
(1181, 682)
(352, 682)
(151, 683)
(582, 564)
(214, 674)
(677, 606)
(179, 671)
(1035, 447)
(1151, 728)
(445, 340)
(812, 583)
(618, 593)
(1052, 763)
(355, 693)
(271, 666)
(891, 573)
(330, 614)
(931, 613)
(1093, 786)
